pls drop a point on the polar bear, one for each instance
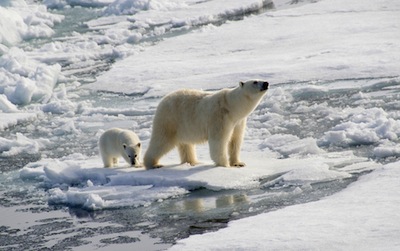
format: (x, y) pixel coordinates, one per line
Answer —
(188, 117)
(117, 142)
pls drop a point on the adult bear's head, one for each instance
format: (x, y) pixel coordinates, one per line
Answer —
(258, 85)
(246, 96)
(254, 89)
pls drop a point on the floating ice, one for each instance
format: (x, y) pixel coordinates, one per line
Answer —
(387, 149)
(77, 180)
(25, 21)
(25, 80)
(22, 144)
(6, 105)
(12, 119)
(364, 128)
(286, 145)
(99, 197)
(129, 7)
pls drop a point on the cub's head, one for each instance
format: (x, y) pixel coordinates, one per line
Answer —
(259, 87)
(133, 153)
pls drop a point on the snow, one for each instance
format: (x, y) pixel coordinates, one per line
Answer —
(364, 216)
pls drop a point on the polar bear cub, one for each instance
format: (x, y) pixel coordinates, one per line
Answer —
(188, 117)
(117, 142)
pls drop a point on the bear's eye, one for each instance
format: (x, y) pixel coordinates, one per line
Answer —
(255, 82)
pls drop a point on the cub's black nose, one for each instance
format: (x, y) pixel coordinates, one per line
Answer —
(265, 86)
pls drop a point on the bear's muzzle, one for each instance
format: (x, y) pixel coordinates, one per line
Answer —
(263, 86)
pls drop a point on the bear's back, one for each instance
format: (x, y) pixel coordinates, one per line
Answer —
(182, 101)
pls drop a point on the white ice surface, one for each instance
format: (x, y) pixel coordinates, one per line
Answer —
(156, 18)
(326, 40)
(364, 216)
(77, 180)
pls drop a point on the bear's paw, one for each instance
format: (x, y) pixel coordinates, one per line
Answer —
(238, 164)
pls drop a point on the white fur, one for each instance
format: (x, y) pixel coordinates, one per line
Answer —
(117, 142)
(188, 117)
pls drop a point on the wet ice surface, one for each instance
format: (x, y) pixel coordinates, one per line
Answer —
(308, 139)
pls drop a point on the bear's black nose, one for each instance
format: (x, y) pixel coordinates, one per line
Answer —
(265, 86)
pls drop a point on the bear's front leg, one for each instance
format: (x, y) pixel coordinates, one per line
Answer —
(157, 148)
(150, 162)
(218, 153)
(218, 143)
(108, 161)
(235, 144)
(115, 161)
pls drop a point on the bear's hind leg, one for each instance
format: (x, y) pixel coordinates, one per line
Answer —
(187, 153)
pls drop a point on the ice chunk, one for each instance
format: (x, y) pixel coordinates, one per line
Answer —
(82, 181)
(287, 145)
(364, 128)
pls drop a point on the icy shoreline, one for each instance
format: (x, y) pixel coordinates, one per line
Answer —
(363, 216)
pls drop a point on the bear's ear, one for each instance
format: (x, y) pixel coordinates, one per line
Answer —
(124, 145)
(139, 145)
(241, 84)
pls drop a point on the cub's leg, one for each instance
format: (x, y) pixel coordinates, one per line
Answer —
(187, 152)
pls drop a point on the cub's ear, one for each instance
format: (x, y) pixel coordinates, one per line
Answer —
(139, 145)
(241, 84)
(124, 145)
